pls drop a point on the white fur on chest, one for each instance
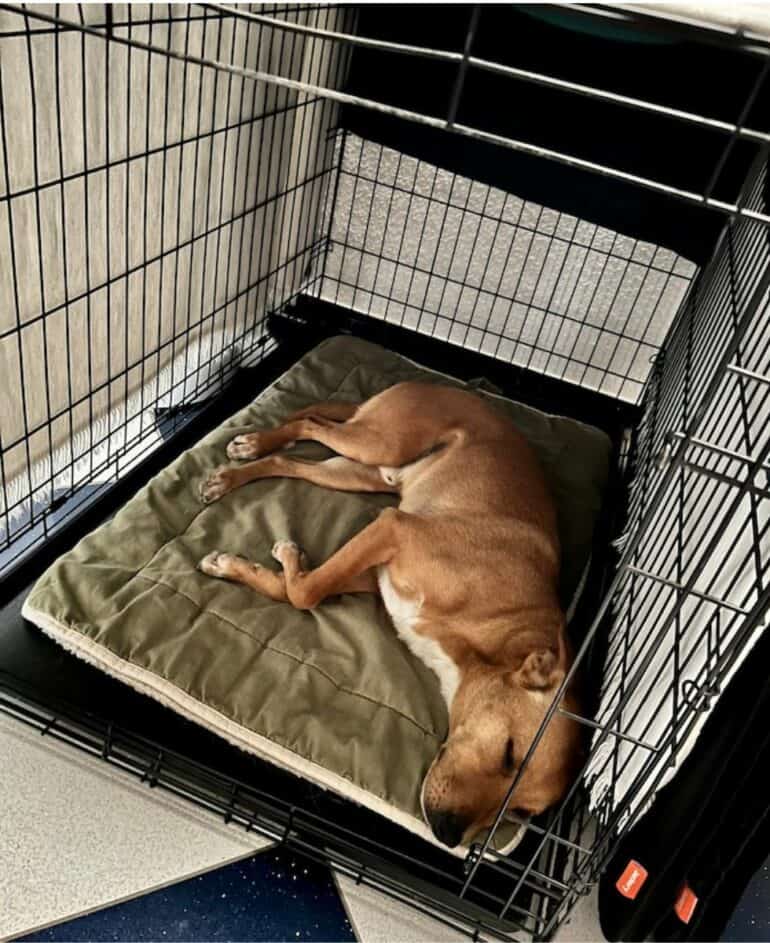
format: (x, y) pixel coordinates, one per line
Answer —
(405, 614)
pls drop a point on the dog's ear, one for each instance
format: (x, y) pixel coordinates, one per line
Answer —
(540, 670)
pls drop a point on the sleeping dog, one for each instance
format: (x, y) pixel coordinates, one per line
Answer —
(467, 566)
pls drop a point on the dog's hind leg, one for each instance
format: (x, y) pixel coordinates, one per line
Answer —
(229, 566)
(392, 429)
(253, 444)
(368, 439)
(354, 564)
(338, 473)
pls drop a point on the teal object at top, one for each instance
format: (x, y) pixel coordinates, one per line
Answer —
(596, 26)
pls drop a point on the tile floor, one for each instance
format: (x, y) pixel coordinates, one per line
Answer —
(92, 854)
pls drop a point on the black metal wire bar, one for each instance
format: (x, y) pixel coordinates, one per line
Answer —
(673, 687)
(245, 196)
(589, 307)
(519, 224)
(141, 267)
(646, 779)
(536, 78)
(178, 236)
(651, 319)
(515, 293)
(494, 295)
(708, 626)
(129, 159)
(647, 599)
(39, 235)
(569, 160)
(200, 390)
(468, 264)
(439, 242)
(631, 545)
(556, 280)
(457, 90)
(16, 306)
(736, 132)
(462, 323)
(87, 235)
(134, 21)
(310, 130)
(220, 201)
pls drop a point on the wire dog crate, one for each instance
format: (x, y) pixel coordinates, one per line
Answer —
(192, 194)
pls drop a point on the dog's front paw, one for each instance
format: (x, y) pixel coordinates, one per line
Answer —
(281, 548)
(245, 446)
(284, 549)
(216, 485)
(226, 566)
(216, 564)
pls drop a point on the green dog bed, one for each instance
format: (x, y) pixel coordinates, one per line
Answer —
(331, 695)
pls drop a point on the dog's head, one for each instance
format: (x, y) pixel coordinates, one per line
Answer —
(495, 715)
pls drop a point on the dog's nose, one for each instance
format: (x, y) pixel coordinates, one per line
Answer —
(447, 827)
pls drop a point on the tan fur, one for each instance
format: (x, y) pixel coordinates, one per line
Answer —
(473, 544)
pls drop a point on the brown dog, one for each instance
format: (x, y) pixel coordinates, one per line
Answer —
(467, 567)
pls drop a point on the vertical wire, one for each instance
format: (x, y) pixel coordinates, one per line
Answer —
(243, 282)
(127, 317)
(145, 223)
(65, 253)
(322, 109)
(514, 294)
(287, 125)
(221, 218)
(17, 314)
(159, 345)
(87, 234)
(256, 258)
(178, 239)
(107, 237)
(41, 277)
(236, 175)
(194, 240)
(206, 235)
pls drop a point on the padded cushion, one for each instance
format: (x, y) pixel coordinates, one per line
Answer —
(331, 694)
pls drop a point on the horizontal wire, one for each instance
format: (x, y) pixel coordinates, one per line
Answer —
(639, 104)
(137, 156)
(535, 78)
(349, 38)
(535, 230)
(569, 160)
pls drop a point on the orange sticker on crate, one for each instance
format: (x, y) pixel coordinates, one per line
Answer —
(686, 903)
(631, 880)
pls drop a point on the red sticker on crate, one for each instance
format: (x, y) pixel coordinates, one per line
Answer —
(631, 880)
(685, 904)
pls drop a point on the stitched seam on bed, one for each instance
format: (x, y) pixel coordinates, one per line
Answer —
(85, 655)
(294, 658)
(270, 389)
(204, 507)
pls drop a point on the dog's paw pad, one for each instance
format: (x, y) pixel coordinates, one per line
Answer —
(244, 446)
(213, 564)
(216, 486)
(282, 547)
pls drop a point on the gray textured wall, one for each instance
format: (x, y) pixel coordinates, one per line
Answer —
(200, 202)
(482, 268)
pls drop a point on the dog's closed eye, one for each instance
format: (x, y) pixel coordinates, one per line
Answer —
(508, 759)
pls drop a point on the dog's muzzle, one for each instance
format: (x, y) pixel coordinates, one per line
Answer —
(447, 827)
